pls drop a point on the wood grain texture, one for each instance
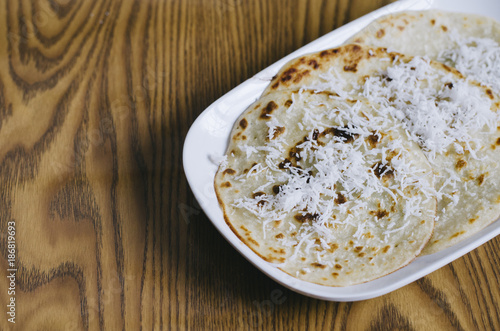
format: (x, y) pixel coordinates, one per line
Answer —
(96, 98)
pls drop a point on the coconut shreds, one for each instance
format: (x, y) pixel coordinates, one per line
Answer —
(330, 168)
(436, 109)
(477, 58)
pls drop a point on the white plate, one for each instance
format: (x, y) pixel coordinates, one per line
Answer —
(209, 134)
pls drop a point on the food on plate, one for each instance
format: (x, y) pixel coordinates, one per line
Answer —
(470, 43)
(327, 188)
(354, 157)
(454, 119)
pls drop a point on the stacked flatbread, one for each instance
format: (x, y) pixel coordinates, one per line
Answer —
(353, 156)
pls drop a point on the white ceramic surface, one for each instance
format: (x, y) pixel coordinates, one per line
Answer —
(208, 136)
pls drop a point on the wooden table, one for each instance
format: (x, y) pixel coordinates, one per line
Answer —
(96, 98)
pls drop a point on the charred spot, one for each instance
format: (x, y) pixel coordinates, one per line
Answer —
(480, 179)
(288, 74)
(333, 247)
(315, 134)
(307, 217)
(386, 78)
(295, 153)
(243, 123)
(460, 164)
(343, 133)
(275, 85)
(243, 137)
(351, 67)
(381, 213)
(288, 103)
(358, 249)
(498, 141)
(313, 63)
(373, 139)
(226, 184)
(279, 236)
(229, 171)
(257, 194)
(300, 75)
(380, 33)
(278, 131)
(276, 189)
(323, 53)
(356, 48)
(285, 164)
(444, 28)
(433, 21)
(318, 265)
(340, 199)
(449, 85)
(490, 94)
(302, 59)
(268, 109)
(382, 170)
(457, 234)
(338, 266)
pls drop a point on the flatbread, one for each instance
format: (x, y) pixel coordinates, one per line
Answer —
(470, 43)
(327, 189)
(453, 119)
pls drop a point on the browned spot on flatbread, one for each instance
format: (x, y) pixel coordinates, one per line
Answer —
(257, 194)
(380, 33)
(361, 254)
(288, 74)
(226, 184)
(278, 131)
(243, 123)
(288, 103)
(352, 67)
(457, 234)
(335, 274)
(277, 223)
(279, 236)
(498, 141)
(275, 85)
(480, 179)
(401, 28)
(285, 164)
(277, 251)
(318, 265)
(358, 249)
(373, 139)
(333, 247)
(433, 21)
(449, 85)
(313, 63)
(385, 249)
(268, 110)
(229, 171)
(472, 220)
(444, 28)
(382, 170)
(276, 189)
(300, 75)
(250, 239)
(340, 199)
(341, 132)
(460, 164)
(306, 217)
(489, 92)
(338, 266)
(380, 213)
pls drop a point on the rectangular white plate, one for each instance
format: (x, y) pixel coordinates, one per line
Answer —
(209, 135)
